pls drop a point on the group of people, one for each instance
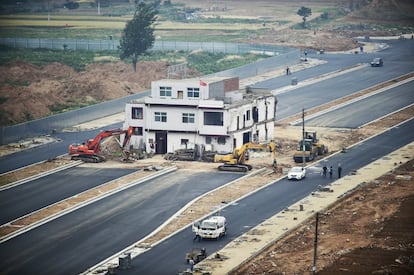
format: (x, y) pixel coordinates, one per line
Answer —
(288, 72)
(325, 170)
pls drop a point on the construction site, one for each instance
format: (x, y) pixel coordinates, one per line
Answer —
(381, 224)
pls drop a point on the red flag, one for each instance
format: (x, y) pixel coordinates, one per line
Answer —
(202, 83)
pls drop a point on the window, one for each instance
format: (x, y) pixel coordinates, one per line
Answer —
(184, 141)
(213, 118)
(208, 140)
(188, 118)
(137, 113)
(165, 91)
(161, 116)
(193, 92)
(137, 131)
(221, 140)
(248, 115)
(255, 112)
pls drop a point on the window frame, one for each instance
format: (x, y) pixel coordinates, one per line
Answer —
(160, 116)
(137, 115)
(188, 118)
(193, 92)
(218, 115)
(165, 91)
(221, 140)
(137, 131)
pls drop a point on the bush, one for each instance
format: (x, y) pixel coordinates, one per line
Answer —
(71, 5)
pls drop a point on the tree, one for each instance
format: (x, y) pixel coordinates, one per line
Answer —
(138, 35)
(304, 12)
(71, 5)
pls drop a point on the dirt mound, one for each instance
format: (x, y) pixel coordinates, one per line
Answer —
(30, 92)
(385, 10)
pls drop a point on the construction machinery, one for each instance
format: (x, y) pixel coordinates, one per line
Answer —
(196, 254)
(90, 151)
(236, 162)
(309, 148)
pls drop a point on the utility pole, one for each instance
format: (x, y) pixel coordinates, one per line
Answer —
(48, 10)
(315, 248)
(303, 138)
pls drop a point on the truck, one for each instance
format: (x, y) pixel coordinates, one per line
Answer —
(211, 228)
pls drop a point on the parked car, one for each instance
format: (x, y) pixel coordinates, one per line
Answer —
(296, 173)
(377, 62)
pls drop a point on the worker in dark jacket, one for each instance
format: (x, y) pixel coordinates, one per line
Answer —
(324, 170)
(339, 170)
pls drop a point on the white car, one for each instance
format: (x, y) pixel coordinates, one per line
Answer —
(296, 173)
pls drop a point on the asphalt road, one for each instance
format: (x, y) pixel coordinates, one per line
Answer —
(398, 60)
(26, 198)
(168, 257)
(72, 243)
(50, 150)
(368, 109)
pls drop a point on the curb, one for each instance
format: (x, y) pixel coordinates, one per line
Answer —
(43, 174)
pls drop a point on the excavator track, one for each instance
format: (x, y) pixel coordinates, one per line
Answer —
(89, 158)
(235, 167)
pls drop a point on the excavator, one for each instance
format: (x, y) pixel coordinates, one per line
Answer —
(236, 162)
(90, 151)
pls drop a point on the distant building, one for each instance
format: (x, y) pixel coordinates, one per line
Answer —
(210, 114)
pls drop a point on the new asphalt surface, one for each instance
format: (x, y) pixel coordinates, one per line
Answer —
(169, 256)
(72, 243)
(53, 188)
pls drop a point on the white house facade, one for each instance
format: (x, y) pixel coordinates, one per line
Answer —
(212, 114)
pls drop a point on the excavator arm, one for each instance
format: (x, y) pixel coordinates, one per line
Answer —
(89, 151)
(237, 160)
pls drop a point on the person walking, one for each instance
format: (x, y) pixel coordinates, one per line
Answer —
(339, 170)
(324, 170)
(330, 172)
(197, 237)
(191, 262)
(287, 70)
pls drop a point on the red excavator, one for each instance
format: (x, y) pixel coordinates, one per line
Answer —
(90, 152)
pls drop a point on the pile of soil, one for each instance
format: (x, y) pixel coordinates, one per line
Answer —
(31, 92)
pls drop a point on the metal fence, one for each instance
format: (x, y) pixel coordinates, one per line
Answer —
(112, 45)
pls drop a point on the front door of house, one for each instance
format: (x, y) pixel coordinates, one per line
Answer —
(161, 142)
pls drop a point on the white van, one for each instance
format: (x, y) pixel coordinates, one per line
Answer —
(211, 228)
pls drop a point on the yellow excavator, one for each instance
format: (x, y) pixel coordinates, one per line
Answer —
(236, 162)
